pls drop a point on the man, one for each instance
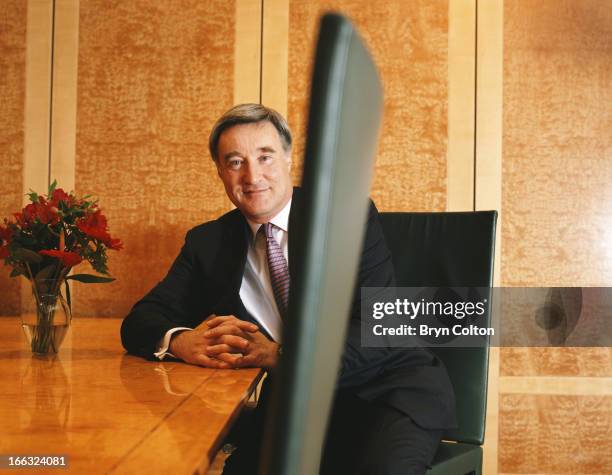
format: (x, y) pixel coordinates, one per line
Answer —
(223, 302)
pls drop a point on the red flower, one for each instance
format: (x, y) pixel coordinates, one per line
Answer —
(6, 234)
(28, 213)
(114, 244)
(44, 211)
(60, 195)
(68, 258)
(95, 226)
(5, 238)
(19, 218)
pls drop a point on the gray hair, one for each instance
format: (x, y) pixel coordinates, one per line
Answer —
(249, 114)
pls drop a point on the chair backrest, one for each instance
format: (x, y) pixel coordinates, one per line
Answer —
(453, 249)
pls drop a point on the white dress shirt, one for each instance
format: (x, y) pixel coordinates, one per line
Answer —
(256, 290)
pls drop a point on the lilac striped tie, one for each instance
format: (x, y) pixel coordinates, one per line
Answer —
(279, 272)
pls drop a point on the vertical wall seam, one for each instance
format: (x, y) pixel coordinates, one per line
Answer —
(261, 50)
(488, 189)
(474, 181)
(51, 91)
(36, 153)
(247, 52)
(274, 53)
(461, 105)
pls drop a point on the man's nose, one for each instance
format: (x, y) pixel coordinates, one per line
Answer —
(252, 173)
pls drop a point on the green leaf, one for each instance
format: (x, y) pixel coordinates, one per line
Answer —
(90, 279)
(23, 254)
(52, 187)
(33, 196)
(16, 272)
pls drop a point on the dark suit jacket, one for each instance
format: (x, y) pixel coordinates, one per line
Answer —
(206, 276)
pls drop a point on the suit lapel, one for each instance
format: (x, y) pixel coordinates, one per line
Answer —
(238, 242)
(229, 265)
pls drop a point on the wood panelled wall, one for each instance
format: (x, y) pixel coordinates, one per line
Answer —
(149, 78)
(409, 42)
(13, 23)
(152, 79)
(557, 225)
(557, 143)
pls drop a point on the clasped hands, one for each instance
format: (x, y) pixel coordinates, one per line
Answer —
(225, 342)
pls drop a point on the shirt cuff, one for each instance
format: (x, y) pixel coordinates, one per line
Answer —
(164, 344)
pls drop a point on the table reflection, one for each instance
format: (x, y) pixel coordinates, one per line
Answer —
(46, 394)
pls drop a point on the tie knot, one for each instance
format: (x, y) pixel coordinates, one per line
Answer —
(266, 230)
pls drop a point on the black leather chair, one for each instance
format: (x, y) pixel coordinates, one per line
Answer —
(450, 250)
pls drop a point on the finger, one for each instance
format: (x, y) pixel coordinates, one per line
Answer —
(215, 320)
(204, 324)
(222, 330)
(246, 326)
(246, 361)
(232, 320)
(234, 340)
(228, 329)
(221, 348)
(231, 340)
(207, 362)
(229, 358)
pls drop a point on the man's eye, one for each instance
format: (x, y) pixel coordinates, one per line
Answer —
(265, 158)
(234, 163)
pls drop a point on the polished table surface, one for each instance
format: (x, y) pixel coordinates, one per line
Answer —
(110, 412)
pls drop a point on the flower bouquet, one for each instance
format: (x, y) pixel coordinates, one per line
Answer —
(43, 243)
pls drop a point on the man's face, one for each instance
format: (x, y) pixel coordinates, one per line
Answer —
(254, 169)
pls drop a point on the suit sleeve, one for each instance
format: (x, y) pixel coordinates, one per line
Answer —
(361, 364)
(168, 305)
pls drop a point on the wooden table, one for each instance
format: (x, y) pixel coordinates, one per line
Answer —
(110, 412)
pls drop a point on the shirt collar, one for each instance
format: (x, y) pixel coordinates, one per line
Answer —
(281, 220)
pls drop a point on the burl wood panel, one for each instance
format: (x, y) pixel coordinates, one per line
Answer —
(568, 361)
(555, 434)
(557, 143)
(557, 162)
(13, 22)
(152, 79)
(409, 42)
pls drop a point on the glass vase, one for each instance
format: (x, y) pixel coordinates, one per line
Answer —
(47, 317)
